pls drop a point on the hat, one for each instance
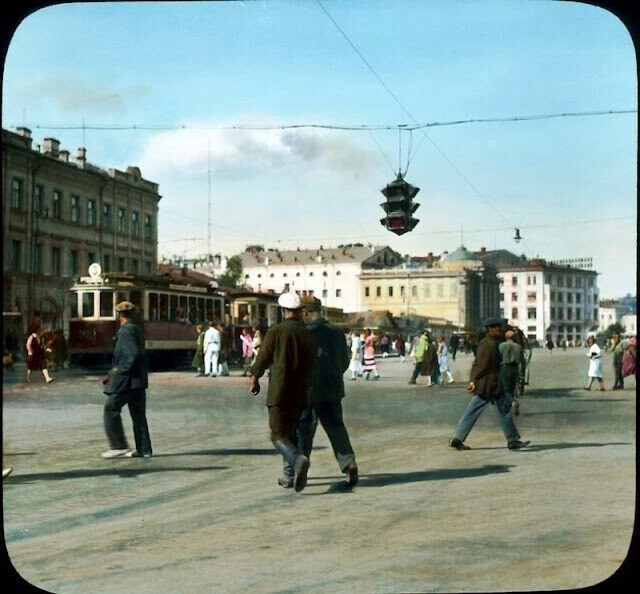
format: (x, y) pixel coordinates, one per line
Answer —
(125, 306)
(494, 321)
(311, 303)
(289, 301)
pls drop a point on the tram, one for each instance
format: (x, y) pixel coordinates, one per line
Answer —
(168, 310)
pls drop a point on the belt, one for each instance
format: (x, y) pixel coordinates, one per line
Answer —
(514, 363)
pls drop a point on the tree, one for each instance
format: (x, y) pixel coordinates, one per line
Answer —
(232, 274)
(614, 329)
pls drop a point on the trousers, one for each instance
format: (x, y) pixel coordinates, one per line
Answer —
(475, 408)
(136, 400)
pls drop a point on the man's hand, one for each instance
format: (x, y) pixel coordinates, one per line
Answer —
(471, 387)
(254, 385)
(105, 380)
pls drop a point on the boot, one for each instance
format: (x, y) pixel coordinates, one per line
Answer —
(298, 461)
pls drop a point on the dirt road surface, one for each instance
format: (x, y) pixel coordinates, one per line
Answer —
(205, 514)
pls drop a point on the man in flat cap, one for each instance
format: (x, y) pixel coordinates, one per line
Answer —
(485, 385)
(331, 360)
(287, 352)
(126, 383)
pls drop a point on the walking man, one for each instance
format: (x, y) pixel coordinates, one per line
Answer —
(418, 355)
(126, 383)
(486, 388)
(331, 360)
(287, 351)
(511, 358)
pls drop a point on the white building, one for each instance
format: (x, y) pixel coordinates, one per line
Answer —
(331, 274)
(550, 301)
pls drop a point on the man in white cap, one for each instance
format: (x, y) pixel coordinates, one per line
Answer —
(126, 383)
(287, 352)
(485, 385)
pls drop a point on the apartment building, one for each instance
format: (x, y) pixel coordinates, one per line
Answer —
(62, 213)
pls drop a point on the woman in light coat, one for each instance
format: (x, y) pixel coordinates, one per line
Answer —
(595, 364)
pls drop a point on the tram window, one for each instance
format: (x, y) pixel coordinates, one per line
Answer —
(106, 304)
(73, 305)
(217, 310)
(136, 298)
(200, 311)
(193, 308)
(182, 309)
(164, 307)
(243, 313)
(88, 305)
(153, 306)
(173, 308)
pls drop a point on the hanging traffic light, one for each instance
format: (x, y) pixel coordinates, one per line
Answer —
(399, 206)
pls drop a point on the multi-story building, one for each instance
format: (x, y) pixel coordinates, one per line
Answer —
(550, 301)
(456, 287)
(331, 274)
(61, 214)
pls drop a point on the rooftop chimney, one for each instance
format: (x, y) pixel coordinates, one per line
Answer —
(51, 146)
(81, 156)
(64, 156)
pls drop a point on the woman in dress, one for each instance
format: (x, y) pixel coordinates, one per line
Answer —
(369, 363)
(443, 359)
(595, 364)
(36, 353)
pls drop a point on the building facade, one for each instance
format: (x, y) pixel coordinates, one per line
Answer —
(550, 301)
(456, 287)
(61, 214)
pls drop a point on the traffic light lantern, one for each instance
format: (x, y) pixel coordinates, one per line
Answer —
(399, 206)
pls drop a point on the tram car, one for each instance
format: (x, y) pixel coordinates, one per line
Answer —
(168, 310)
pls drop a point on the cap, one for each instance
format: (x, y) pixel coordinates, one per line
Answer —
(311, 303)
(289, 301)
(125, 306)
(494, 321)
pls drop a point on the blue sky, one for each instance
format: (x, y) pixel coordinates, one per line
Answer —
(199, 96)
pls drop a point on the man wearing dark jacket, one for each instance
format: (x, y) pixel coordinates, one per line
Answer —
(485, 385)
(287, 353)
(331, 360)
(126, 383)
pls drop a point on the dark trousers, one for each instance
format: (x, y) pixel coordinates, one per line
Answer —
(617, 371)
(283, 421)
(136, 400)
(329, 414)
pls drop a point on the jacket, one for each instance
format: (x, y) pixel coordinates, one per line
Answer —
(287, 351)
(485, 369)
(129, 367)
(331, 360)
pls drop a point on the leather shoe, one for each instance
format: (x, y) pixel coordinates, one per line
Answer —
(285, 482)
(454, 442)
(517, 445)
(300, 477)
(352, 475)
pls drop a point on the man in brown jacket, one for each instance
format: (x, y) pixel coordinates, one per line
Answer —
(287, 351)
(484, 384)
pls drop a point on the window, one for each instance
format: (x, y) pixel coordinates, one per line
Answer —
(553, 312)
(311, 274)
(414, 291)
(74, 215)
(578, 298)
(366, 292)
(324, 273)
(297, 274)
(91, 212)
(514, 313)
(135, 224)
(338, 273)
(135, 266)
(514, 281)
(107, 262)
(390, 289)
(402, 291)
(121, 264)
(106, 304)
(88, 306)
(147, 268)
(378, 291)
(569, 297)
(38, 199)
(531, 313)
(578, 313)
(569, 313)
(17, 193)
(514, 296)
(57, 205)
(148, 228)
(121, 224)
(106, 217)
(56, 261)
(338, 292)
(16, 254)
(37, 258)
(73, 262)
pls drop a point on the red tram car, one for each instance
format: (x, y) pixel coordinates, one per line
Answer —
(167, 309)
